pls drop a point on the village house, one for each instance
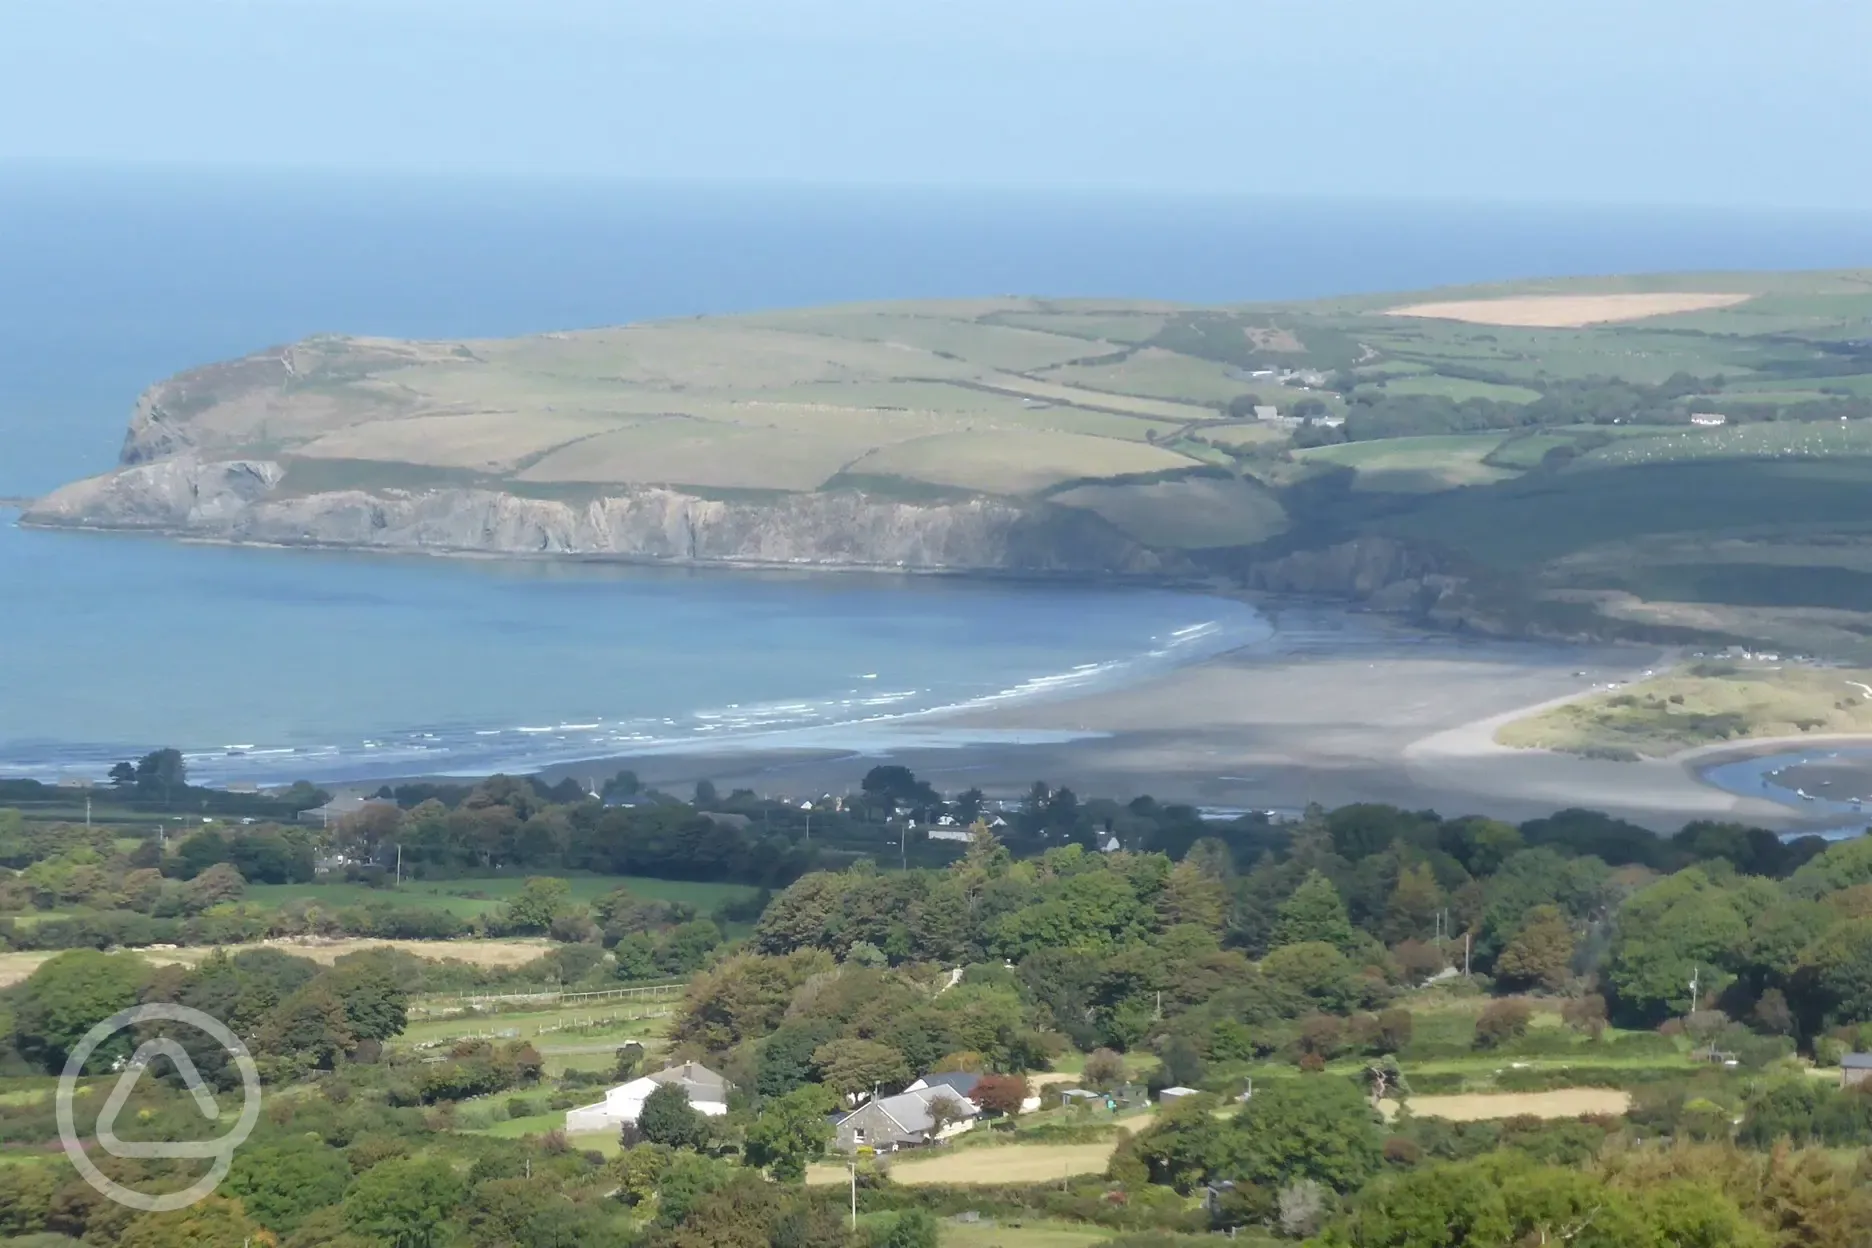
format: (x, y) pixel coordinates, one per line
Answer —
(916, 1116)
(707, 1092)
(1855, 1070)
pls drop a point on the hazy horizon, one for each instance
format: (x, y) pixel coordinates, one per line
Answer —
(1589, 102)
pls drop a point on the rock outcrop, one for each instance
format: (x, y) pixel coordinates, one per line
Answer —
(241, 501)
(1360, 569)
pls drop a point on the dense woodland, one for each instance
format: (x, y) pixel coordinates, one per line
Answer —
(1324, 958)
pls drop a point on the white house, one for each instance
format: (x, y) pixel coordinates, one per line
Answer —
(707, 1091)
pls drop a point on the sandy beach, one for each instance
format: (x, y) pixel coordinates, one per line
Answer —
(1405, 719)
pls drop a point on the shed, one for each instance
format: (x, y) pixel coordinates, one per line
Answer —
(1855, 1070)
(1170, 1096)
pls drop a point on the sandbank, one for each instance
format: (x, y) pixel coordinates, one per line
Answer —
(1400, 718)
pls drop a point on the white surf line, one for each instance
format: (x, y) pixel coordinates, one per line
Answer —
(1867, 689)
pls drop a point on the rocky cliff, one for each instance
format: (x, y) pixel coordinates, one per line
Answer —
(241, 501)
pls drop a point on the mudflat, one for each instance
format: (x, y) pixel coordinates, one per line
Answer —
(1409, 721)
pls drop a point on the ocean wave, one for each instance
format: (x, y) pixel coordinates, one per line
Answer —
(863, 719)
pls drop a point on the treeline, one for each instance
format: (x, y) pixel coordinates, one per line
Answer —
(1296, 938)
(1372, 413)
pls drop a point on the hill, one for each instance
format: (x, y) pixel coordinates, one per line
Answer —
(1536, 455)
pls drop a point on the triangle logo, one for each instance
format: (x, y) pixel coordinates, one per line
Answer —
(139, 1063)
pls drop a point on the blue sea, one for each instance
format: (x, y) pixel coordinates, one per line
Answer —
(271, 665)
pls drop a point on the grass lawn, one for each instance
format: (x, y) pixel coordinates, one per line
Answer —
(467, 898)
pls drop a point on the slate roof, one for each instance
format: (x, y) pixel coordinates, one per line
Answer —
(960, 1082)
(1857, 1061)
(910, 1110)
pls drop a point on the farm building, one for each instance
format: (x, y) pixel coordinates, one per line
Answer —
(707, 1092)
(1855, 1069)
(906, 1120)
(961, 1082)
(1170, 1096)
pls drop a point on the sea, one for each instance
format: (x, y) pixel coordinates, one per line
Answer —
(267, 666)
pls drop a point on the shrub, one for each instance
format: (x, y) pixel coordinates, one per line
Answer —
(1502, 1022)
(1104, 1069)
(1001, 1094)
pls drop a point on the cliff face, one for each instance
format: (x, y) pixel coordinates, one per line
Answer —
(237, 501)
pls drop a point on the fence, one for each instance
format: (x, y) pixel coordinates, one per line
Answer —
(647, 995)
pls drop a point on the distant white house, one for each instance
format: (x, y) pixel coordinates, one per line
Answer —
(951, 834)
(707, 1091)
(1708, 419)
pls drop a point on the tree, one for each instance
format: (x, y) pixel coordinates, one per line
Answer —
(914, 1228)
(1315, 913)
(1191, 896)
(1317, 970)
(123, 775)
(281, 1184)
(533, 909)
(160, 773)
(1411, 912)
(1541, 953)
(309, 1027)
(213, 1222)
(1318, 1128)
(221, 882)
(791, 1131)
(66, 997)
(1502, 1022)
(669, 1119)
(1104, 1069)
(626, 1060)
(1840, 968)
(1684, 926)
(1001, 1094)
(404, 1203)
(853, 1066)
(376, 1007)
(1182, 1064)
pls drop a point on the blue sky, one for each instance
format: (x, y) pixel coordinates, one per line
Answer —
(1664, 101)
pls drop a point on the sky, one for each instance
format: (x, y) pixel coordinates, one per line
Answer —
(1731, 102)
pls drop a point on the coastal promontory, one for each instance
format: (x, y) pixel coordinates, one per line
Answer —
(1673, 455)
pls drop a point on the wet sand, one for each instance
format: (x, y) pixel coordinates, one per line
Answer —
(1404, 720)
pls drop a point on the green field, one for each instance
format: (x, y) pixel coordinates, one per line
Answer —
(469, 898)
(1424, 465)
(1459, 388)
